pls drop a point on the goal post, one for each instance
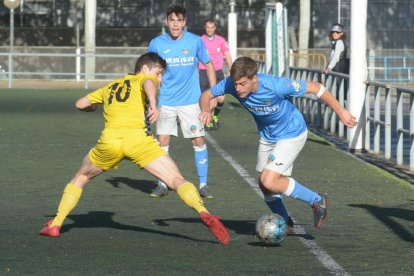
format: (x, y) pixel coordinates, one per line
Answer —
(277, 49)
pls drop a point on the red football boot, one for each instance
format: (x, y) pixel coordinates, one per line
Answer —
(50, 231)
(216, 227)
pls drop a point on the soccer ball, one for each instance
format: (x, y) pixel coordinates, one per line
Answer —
(271, 228)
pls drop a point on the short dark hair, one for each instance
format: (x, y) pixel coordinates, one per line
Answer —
(177, 10)
(150, 59)
(210, 20)
(243, 67)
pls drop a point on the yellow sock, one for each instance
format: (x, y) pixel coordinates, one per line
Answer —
(69, 200)
(189, 194)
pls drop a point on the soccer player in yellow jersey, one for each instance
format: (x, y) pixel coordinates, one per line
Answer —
(129, 107)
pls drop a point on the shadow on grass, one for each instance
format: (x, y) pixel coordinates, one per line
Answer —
(101, 219)
(145, 186)
(261, 244)
(387, 215)
(240, 227)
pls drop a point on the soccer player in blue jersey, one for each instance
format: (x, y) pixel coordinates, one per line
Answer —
(282, 130)
(180, 91)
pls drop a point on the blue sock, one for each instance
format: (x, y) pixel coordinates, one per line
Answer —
(276, 205)
(201, 160)
(298, 191)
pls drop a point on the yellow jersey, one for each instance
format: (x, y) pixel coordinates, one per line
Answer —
(124, 104)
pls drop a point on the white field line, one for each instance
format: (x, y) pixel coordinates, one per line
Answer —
(323, 256)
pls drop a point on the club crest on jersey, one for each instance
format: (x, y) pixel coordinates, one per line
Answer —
(267, 102)
(270, 158)
(193, 128)
(186, 51)
(296, 86)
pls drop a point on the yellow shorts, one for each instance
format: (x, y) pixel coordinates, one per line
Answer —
(138, 147)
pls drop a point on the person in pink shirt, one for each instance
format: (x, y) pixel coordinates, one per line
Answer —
(218, 50)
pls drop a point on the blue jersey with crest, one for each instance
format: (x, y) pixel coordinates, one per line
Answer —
(275, 115)
(180, 83)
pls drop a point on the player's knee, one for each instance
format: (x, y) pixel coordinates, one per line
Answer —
(176, 182)
(198, 142)
(81, 180)
(272, 182)
(164, 140)
(173, 179)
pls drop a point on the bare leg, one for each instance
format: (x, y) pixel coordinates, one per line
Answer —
(71, 196)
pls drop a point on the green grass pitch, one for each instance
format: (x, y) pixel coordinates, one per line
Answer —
(117, 229)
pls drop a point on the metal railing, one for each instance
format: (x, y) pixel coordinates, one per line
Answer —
(316, 113)
(389, 111)
(67, 63)
(308, 60)
(396, 66)
(391, 119)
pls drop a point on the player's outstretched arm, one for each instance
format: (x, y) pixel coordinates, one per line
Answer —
(151, 90)
(211, 73)
(84, 104)
(322, 92)
(229, 62)
(205, 115)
